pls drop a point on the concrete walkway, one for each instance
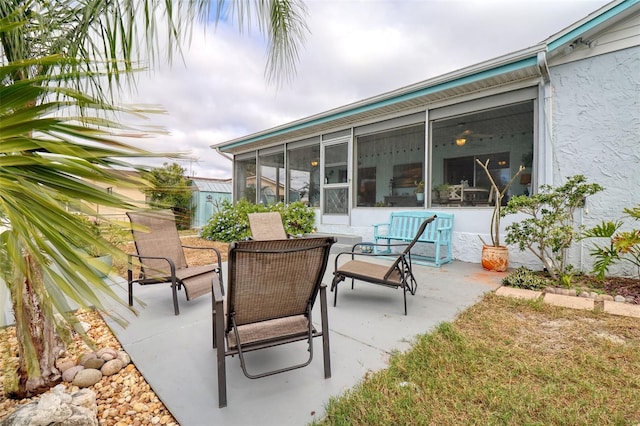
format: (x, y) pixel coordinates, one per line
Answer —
(175, 355)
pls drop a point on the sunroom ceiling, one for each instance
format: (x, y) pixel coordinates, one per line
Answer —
(406, 99)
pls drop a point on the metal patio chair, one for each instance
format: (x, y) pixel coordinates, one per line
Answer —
(161, 258)
(396, 275)
(271, 291)
(266, 226)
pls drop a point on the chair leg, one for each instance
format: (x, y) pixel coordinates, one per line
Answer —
(130, 281)
(222, 377)
(334, 288)
(325, 331)
(218, 343)
(174, 290)
(404, 293)
(130, 293)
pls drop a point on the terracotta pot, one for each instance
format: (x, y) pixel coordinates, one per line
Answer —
(495, 258)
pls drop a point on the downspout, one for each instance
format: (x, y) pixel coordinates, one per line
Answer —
(230, 158)
(545, 123)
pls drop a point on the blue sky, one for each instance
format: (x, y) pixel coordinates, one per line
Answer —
(356, 49)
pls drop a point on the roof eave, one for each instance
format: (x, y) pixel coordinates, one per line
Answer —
(520, 59)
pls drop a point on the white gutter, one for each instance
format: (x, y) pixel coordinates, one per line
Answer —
(224, 154)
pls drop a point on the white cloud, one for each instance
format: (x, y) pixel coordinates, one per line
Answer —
(357, 49)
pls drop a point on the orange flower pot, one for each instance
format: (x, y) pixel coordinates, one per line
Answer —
(495, 258)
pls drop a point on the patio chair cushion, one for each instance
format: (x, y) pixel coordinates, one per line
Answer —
(276, 329)
(359, 269)
(197, 280)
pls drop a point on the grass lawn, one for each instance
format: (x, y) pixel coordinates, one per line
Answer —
(507, 361)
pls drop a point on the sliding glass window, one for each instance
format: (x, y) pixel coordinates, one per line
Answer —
(272, 176)
(390, 167)
(304, 172)
(245, 177)
(502, 136)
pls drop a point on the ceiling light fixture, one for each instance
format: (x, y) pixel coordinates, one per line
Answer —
(461, 141)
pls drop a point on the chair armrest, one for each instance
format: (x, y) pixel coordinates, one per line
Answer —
(219, 258)
(356, 253)
(218, 297)
(172, 265)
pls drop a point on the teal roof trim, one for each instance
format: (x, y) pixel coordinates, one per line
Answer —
(472, 78)
(575, 33)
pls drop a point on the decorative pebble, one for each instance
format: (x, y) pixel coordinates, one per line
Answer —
(95, 363)
(107, 354)
(64, 364)
(85, 356)
(70, 373)
(87, 377)
(111, 367)
(124, 357)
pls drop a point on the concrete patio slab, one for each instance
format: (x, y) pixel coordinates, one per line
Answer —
(175, 354)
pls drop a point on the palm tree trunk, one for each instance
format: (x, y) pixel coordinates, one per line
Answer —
(36, 334)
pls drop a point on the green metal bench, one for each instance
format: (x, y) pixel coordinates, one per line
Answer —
(402, 226)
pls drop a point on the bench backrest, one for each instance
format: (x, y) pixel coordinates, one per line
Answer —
(404, 225)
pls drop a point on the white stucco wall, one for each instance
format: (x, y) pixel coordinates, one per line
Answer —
(596, 132)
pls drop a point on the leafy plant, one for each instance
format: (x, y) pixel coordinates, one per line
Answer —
(499, 196)
(523, 277)
(623, 246)
(231, 223)
(105, 234)
(420, 187)
(550, 229)
(171, 190)
(442, 187)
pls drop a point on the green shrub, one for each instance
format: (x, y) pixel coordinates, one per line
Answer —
(619, 246)
(523, 277)
(550, 229)
(231, 223)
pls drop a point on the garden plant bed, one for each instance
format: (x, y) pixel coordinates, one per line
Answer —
(623, 286)
(123, 399)
(585, 285)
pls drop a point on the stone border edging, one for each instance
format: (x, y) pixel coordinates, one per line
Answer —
(573, 302)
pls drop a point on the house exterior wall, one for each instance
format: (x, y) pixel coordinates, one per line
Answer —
(596, 132)
(134, 195)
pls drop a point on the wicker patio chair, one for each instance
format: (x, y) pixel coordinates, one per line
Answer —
(266, 226)
(161, 258)
(271, 290)
(397, 275)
